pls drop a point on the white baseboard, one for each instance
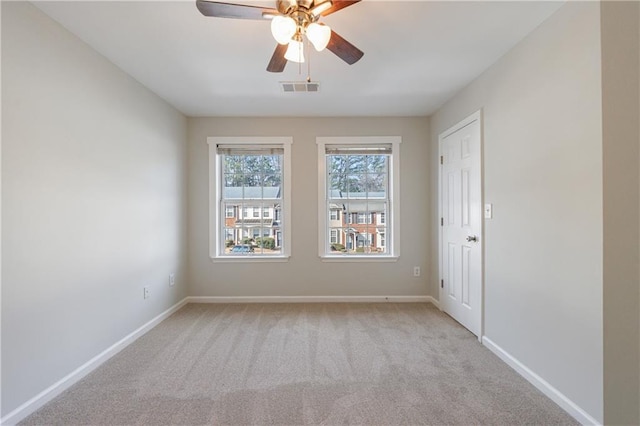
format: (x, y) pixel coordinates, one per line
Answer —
(543, 386)
(435, 302)
(310, 299)
(63, 384)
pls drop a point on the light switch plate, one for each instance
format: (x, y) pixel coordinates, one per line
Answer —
(488, 211)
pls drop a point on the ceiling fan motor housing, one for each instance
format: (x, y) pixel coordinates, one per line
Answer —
(286, 7)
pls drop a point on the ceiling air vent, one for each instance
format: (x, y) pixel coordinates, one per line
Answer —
(300, 86)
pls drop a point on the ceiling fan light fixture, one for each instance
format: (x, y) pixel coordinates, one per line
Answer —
(283, 28)
(294, 51)
(319, 35)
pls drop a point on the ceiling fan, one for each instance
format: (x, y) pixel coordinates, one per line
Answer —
(291, 21)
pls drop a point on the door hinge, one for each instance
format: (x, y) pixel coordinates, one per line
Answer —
(442, 221)
(441, 283)
(441, 159)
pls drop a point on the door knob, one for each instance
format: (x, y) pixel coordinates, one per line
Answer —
(472, 238)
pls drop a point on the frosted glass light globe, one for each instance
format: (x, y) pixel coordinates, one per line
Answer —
(283, 28)
(294, 52)
(318, 35)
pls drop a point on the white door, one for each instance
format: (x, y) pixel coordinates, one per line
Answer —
(461, 223)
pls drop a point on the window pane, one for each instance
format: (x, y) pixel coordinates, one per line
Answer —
(376, 207)
(357, 176)
(253, 181)
(376, 164)
(233, 179)
(376, 185)
(252, 164)
(381, 217)
(337, 185)
(272, 181)
(380, 242)
(337, 164)
(233, 164)
(357, 186)
(356, 164)
(336, 240)
(254, 227)
(271, 164)
(229, 239)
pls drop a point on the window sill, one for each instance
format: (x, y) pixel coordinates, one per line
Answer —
(357, 259)
(249, 259)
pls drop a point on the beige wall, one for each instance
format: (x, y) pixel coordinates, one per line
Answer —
(93, 203)
(543, 173)
(620, 73)
(305, 274)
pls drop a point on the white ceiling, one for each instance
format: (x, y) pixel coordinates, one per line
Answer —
(418, 54)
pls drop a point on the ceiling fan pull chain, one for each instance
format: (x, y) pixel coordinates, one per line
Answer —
(308, 62)
(300, 50)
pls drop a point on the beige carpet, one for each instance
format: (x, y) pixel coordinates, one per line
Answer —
(290, 364)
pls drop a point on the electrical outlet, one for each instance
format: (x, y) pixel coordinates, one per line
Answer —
(147, 292)
(172, 279)
(416, 271)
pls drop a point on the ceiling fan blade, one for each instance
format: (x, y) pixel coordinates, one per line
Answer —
(278, 61)
(343, 49)
(237, 11)
(337, 5)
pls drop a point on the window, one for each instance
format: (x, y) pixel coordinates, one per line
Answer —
(364, 217)
(252, 176)
(359, 176)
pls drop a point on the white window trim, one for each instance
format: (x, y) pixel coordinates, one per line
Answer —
(215, 191)
(393, 216)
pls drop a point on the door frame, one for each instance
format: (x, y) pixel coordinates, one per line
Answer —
(476, 116)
